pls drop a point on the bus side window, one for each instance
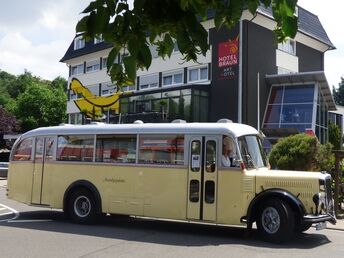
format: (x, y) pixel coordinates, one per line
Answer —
(116, 148)
(23, 150)
(195, 156)
(49, 148)
(75, 148)
(161, 149)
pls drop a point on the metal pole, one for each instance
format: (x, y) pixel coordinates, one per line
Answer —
(258, 102)
(336, 183)
(240, 74)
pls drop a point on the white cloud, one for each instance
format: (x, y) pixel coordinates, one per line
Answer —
(34, 35)
(329, 13)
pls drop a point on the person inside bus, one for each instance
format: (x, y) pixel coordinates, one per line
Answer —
(228, 152)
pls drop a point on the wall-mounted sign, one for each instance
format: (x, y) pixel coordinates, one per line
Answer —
(228, 58)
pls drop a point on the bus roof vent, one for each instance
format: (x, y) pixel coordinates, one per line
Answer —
(96, 123)
(224, 120)
(63, 124)
(178, 121)
(138, 122)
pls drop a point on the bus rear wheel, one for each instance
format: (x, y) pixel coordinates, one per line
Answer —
(82, 206)
(276, 221)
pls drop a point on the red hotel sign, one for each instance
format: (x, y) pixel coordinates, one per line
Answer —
(228, 53)
(228, 57)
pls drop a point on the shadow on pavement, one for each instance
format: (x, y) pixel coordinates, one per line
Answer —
(157, 231)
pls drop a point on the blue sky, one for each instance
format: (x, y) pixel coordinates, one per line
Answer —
(35, 34)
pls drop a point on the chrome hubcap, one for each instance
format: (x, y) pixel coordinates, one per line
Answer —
(82, 206)
(270, 220)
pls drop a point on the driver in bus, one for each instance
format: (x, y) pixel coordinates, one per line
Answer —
(228, 152)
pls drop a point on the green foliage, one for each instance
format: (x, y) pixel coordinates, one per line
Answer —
(334, 135)
(8, 123)
(301, 152)
(59, 83)
(338, 94)
(40, 106)
(325, 159)
(33, 101)
(165, 20)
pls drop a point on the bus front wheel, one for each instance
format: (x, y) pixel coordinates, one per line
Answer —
(82, 206)
(276, 221)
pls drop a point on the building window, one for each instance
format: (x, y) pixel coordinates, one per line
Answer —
(288, 46)
(98, 39)
(281, 70)
(79, 42)
(128, 88)
(104, 62)
(94, 89)
(149, 81)
(92, 66)
(198, 74)
(109, 88)
(290, 107)
(75, 119)
(172, 78)
(77, 69)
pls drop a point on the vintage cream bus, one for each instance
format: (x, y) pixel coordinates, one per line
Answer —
(171, 171)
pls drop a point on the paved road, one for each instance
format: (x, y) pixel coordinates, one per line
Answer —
(34, 232)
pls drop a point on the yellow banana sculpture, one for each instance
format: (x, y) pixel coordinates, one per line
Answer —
(94, 106)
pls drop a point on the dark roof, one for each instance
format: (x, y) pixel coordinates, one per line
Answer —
(90, 47)
(309, 24)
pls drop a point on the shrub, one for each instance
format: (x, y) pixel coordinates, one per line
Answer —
(301, 152)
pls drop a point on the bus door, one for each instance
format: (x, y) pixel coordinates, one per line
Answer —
(43, 152)
(202, 178)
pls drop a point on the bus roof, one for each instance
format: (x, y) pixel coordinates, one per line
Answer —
(234, 129)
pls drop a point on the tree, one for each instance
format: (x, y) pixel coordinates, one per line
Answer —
(166, 22)
(8, 123)
(301, 152)
(338, 94)
(334, 135)
(40, 106)
(21, 83)
(59, 83)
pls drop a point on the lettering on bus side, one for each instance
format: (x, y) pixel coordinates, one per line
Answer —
(114, 180)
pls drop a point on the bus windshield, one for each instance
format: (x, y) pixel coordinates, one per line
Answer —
(252, 152)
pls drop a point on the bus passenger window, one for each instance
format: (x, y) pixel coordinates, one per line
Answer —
(210, 156)
(194, 191)
(23, 150)
(75, 148)
(39, 149)
(49, 148)
(161, 149)
(209, 192)
(195, 156)
(116, 148)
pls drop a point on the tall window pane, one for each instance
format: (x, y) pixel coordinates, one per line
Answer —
(116, 148)
(161, 149)
(75, 148)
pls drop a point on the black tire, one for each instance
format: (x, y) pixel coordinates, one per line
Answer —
(276, 221)
(82, 206)
(303, 227)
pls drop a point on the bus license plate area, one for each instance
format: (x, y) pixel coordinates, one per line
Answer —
(320, 225)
